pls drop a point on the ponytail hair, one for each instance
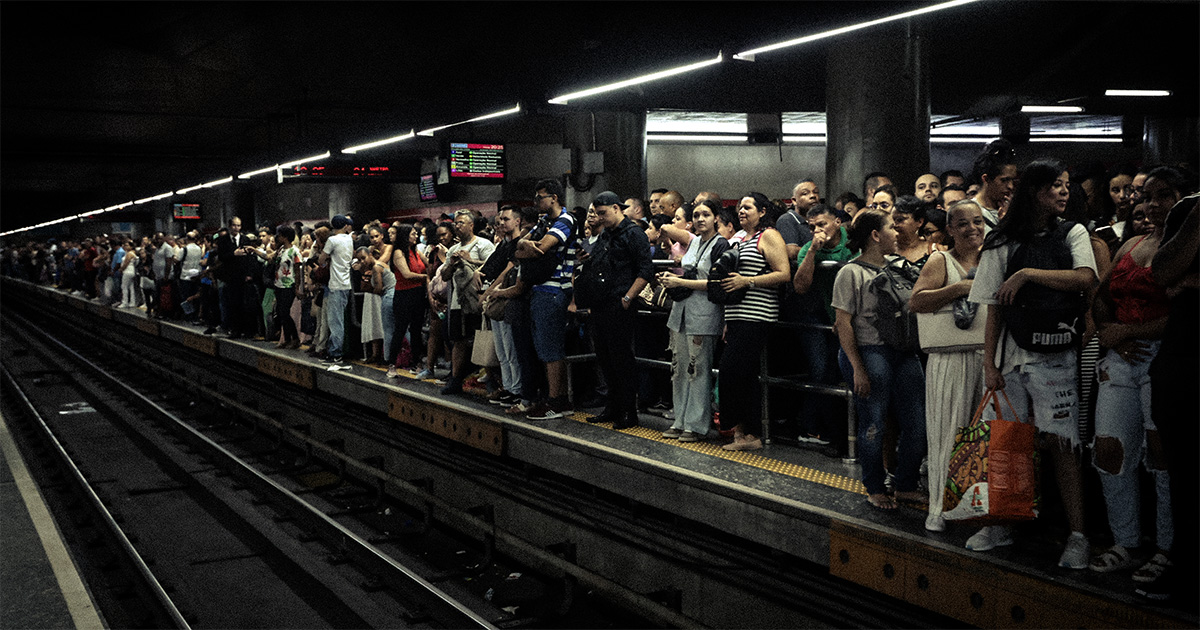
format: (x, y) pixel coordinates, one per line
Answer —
(865, 222)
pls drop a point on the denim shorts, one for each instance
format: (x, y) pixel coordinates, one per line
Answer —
(1044, 394)
(548, 310)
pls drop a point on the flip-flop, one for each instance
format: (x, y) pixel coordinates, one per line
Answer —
(886, 504)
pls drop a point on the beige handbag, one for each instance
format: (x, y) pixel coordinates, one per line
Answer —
(938, 332)
(483, 353)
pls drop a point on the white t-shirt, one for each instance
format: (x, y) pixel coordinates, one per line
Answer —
(158, 264)
(340, 248)
(989, 277)
(191, 256)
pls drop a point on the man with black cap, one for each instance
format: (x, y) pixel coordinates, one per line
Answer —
(623, 254)
(339, 251)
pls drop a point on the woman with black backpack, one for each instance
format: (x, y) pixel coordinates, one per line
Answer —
(885, 372)
(1037, 268)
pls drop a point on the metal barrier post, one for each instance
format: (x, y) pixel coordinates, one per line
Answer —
(765, 393)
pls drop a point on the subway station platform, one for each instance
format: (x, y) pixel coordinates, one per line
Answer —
(800, 502)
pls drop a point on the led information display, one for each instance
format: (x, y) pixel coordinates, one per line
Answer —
(482, 161)
(357, 171)
(187, 211)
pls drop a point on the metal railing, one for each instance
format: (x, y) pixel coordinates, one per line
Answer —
(768, 382)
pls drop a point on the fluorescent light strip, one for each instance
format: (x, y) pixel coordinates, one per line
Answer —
(792, 138)
(378, 143)
(513, 110)
(217, 182)
(695, 138)
(1137, 92)
(959, 139)
(1068, 139)
(154, 198)
(1051, 109)
(749, 54)
(562, 100)
(306, 160)
(260, 171)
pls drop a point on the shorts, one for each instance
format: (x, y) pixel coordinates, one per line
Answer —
(461, 327)
(1046, 393)
(548, 311)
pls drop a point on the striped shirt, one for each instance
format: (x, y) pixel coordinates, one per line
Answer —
(564, 230)
(760, 304)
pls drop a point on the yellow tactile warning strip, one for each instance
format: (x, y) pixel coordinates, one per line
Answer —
(841, 482)
(748, 458)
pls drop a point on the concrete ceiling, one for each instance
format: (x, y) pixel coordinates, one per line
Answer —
(105, 102)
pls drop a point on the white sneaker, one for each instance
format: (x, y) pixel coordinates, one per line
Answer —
(989, 538)
(1077, 552)
(935, 523)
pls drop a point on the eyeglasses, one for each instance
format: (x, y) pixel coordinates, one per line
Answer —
(882, 205)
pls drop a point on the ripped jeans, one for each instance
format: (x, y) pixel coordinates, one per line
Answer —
(692, 380)
(1123, 414)
(898, 386)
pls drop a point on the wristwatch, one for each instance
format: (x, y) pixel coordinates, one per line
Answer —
(626, 298)
(752, 284)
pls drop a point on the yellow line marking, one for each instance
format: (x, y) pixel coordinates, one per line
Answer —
(841, 482)
(78, 599)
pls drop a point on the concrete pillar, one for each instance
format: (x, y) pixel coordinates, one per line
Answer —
(1171, 141)
(877, 109)
(618, 139)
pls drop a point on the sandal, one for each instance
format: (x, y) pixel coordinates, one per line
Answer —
(882, 502)
(1115, 558)
(1151, 571)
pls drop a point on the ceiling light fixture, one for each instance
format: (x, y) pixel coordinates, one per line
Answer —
(260, 171)
(512, 110)
(217, 182)
(695, 138)
(154, 198)
(184, 191)
(662, 74)
(378, 143)
(1137, 92)
(306, 160)
(748, 55)
(1076, 139)
(1051, 109)
(959, 139)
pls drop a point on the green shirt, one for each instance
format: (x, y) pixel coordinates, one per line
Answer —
(823, 278)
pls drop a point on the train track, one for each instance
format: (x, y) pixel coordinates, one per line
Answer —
(401, 487)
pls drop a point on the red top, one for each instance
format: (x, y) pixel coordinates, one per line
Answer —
(1138, 298)
(415, 265)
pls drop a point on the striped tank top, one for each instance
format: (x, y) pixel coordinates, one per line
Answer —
(760, 304)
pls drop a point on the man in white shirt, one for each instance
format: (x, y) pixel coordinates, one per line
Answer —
(463, 259)
(339, 251)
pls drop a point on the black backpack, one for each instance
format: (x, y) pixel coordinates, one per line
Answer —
(538, 270)
(896, 323)
(1042, 319)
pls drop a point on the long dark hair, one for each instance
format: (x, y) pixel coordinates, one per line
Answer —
(403, 230)
(1021, 223)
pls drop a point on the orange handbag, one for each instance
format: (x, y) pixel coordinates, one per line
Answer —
(993, 471)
